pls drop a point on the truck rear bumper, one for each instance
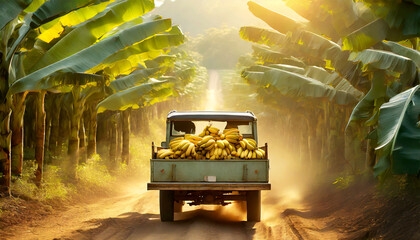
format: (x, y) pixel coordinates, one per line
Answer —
(205, 186)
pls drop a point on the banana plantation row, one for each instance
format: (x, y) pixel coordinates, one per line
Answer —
(69, 61)
(350, 73)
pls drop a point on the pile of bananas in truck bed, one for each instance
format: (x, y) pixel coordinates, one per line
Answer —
(211, 144)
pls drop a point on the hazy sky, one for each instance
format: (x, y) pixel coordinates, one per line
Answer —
(195, 16)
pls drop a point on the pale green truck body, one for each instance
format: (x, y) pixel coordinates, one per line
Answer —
(182, 180)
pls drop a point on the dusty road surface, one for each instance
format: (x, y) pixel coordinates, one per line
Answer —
(134, 214)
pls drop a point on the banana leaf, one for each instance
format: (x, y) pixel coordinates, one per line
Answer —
(344, 92)
(374, 60)
(53, 29)
(10, 9)
(64, 81)
(289, 68)
(366, 36)
(312, 44)
(132, 97)
(401, 50)
(157, 42)
(262, 36)
(135, 78)
(403, 16)
(268, 55)
(87, 33)
(334, 80)
(399, 134)
(93, 55)
(131, 23)
(45, 13)
(365, 108)
(292, 84)
(166, 61)
(277, 21)
(398, 21)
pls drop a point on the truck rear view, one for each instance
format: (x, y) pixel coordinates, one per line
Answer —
(210, 158)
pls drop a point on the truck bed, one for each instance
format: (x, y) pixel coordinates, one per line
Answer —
(190, 170)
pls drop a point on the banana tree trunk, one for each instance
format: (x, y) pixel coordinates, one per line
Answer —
(82, 141)
(55, 127)
(5, 148)
(119, 137)
(16, 125)
(73, 150)
(47, 108)
(40, 137)
(64, 131)
(113, 143)
(125, 136)
(91, 148)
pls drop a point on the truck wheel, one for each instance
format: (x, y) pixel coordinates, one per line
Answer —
(178, 206)
(253, 206)
(166, 202)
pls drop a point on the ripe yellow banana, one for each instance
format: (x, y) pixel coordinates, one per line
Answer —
(248, 145)
(214, 130)
(252, 142)
(212, 151)
(243, 144)
(210, 147)
(244, 153)
(224, 153)
(239, 152)
(258, 153)
(249, 155)
(208, 143)
(166, 153)
(205, 140)
(178, 138)
(220, 144)
(189, 149)
(185, 146)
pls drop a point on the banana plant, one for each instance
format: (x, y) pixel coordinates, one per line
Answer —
(380, 74)
(14, 35)
(397, 21)
(398, 134)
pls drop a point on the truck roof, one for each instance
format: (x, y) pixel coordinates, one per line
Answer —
(212, 115)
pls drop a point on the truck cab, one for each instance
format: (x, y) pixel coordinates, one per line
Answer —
(204, 181)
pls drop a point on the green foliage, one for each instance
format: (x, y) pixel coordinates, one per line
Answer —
(93, 55)
(399, 134)
(87, 33)
(344, 182)
(94, 173)
(52, 184)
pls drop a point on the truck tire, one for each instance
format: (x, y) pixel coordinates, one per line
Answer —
(253, 206)
(166, 202)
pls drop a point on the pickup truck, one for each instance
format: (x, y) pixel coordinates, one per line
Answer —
(206, 181)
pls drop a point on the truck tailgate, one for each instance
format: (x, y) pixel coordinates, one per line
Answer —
(185, 170)
(203, 186)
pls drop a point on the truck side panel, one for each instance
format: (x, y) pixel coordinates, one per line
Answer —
(184, 170)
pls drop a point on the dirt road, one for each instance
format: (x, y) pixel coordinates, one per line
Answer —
(134, 214)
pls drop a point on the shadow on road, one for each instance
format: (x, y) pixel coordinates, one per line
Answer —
(195, 224)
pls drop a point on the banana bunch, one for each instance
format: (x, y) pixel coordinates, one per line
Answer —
(212, 144)
(247, 148)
